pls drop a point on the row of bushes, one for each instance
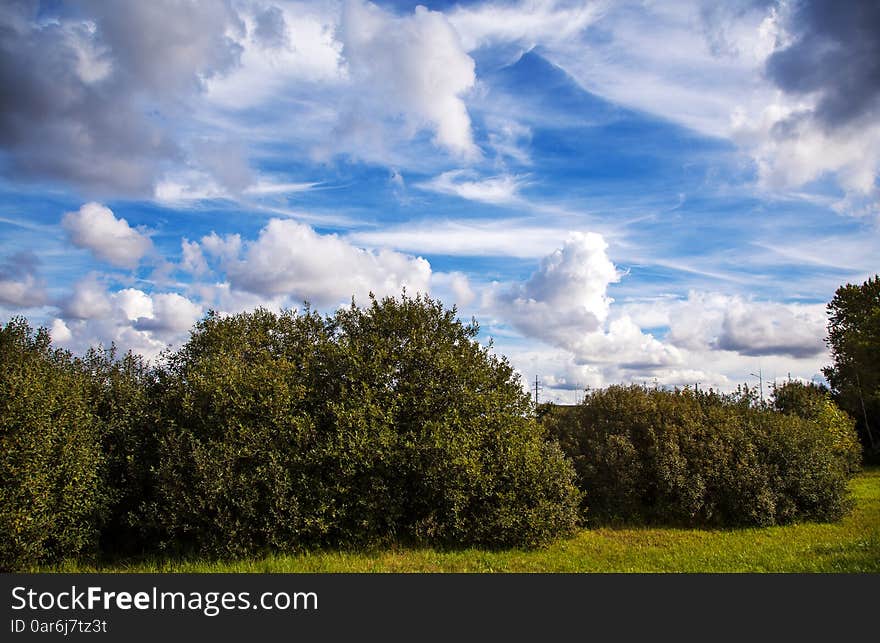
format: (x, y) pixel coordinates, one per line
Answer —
(275, 432)
(388, 423)
(688, 457)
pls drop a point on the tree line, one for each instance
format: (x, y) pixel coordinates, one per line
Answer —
(388, 423)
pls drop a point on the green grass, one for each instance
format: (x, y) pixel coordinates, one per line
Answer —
(851, 545)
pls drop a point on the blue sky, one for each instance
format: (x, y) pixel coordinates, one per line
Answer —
(617, 191)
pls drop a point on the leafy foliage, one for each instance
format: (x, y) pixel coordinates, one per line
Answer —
(379, 423)
(697, 458)
(119, 396)
(50, 455)
(386, 423)
(813, 402)
(854, 340)
(798, 398)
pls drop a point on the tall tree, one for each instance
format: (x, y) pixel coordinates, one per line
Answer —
(854, 340)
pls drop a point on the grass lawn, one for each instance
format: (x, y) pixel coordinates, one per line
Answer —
(851, 545)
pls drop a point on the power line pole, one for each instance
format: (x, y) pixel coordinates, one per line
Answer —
(760, 376)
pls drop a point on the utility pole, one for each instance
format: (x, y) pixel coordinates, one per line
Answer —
(760, 376)
(536, 392)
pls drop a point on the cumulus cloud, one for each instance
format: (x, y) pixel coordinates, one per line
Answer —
(291, 259)
(192, 258)
(624, 345)
(707, 339)
(225, 248)
(95, 228)
(452, 288)
(19, 284)
(792, 148)
(169, 314)
(565, 303)
(773, 329)
(412, 67)
(90, 81)
(710, 322)
(567, 296)
(88, 300)
(713, 321)
(132, 318)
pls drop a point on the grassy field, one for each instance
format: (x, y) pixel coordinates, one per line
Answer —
(852, 545)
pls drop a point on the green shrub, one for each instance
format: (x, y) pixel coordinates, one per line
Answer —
(50, 457)
(120, 399)
(813, 402)
(463, 461)
(798, 398)
(382, 423)
(237, 452)
(685, 457)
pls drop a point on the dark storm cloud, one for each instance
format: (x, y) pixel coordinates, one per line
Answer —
(89, 93)
(836, 52)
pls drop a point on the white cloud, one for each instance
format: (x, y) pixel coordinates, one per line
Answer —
(509, 139)
(714, 340)
(560, 378)
(171, 314)
(520, 238)
(291, 259)
(60, 333)
(19, 284)
(705, 66)
(663, 58)
(226, 248)
(24, 292)
(452, 288)
(413, 67)
(496, 189)
(566, 297)
(188, 185)
(565, 303)
(792, 149)
(89, 300)
(192, 259)
(625, 346)
(310, 54)
(132, 304)
(713, 321)
(773, 329)
(133, 319)
(263, 187)
(223, 298)
(527, 23)
(95, 228)
(218, 169)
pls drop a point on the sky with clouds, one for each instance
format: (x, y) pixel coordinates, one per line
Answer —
(618, 191)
